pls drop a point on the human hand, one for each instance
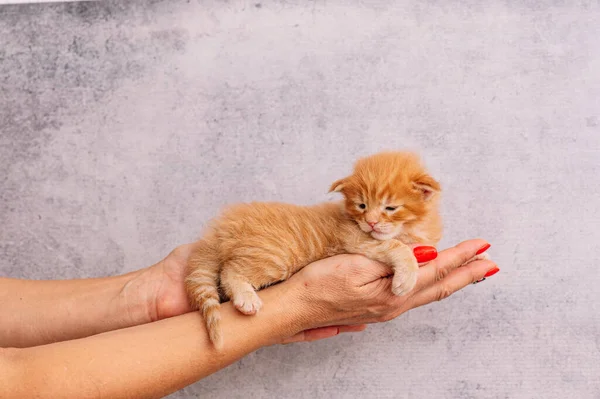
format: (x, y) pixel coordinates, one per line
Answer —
(161, 286)
(351, 290)
(423, 254)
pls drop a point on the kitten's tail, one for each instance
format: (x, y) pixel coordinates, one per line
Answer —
(201, 284)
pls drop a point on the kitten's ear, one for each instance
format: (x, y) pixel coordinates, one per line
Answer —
(427, 185)
(337, 186)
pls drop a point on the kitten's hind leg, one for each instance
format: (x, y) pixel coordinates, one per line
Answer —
(240, 291)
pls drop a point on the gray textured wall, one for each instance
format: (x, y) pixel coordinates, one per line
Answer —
(126, 125)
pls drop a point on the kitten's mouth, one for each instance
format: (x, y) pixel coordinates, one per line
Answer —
(378, 235)
(373, 230)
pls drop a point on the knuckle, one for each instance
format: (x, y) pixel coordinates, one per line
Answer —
(443, 293)
(380, 313)
(463, 257)
(459, 256)
(441, 273)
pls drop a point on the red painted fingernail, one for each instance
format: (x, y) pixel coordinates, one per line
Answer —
(492, 272)
(425, 254)
(483, 249)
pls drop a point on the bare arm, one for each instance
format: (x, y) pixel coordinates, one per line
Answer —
(147, 361)
(42, 312)
(38, 312)
(152, 360)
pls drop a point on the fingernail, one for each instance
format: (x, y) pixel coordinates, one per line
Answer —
(479, 281)
(492, 272)
(483, 249)
(425, 254)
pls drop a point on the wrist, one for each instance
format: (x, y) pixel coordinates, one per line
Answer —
(135, 299)
(289, 311)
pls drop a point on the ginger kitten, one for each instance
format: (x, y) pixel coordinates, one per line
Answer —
(389, 201)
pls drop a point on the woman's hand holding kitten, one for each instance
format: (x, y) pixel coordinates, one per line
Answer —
(354, 290)
(331, 296)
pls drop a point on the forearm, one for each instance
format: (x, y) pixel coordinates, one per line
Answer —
(147, 361)
(39, 312)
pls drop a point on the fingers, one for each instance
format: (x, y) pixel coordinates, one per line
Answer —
(455, 281)
(448, 260)
(323, 332)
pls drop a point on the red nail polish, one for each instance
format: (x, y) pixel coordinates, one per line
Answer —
(492, 272)
(483, 249)
(425, 254)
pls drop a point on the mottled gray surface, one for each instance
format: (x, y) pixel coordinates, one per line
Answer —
(126, 125)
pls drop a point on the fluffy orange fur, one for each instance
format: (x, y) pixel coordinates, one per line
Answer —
(389, 201)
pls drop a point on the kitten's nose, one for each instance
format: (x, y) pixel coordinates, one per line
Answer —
(372, 223)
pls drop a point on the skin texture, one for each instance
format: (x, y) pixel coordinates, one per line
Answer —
(390, 202)
(41, 312)
(152, 360)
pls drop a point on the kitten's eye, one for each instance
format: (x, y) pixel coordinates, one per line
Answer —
(362, 206)
(390, 208)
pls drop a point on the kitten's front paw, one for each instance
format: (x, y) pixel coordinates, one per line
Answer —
(247, 302)
(404, 282)
(405, 277)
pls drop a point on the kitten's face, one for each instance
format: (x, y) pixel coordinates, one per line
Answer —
(386, 191)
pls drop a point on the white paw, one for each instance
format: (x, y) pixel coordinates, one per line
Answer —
(403, 282)
(247, 302)
(405, 274)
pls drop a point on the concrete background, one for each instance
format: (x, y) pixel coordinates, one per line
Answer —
(126, 125)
